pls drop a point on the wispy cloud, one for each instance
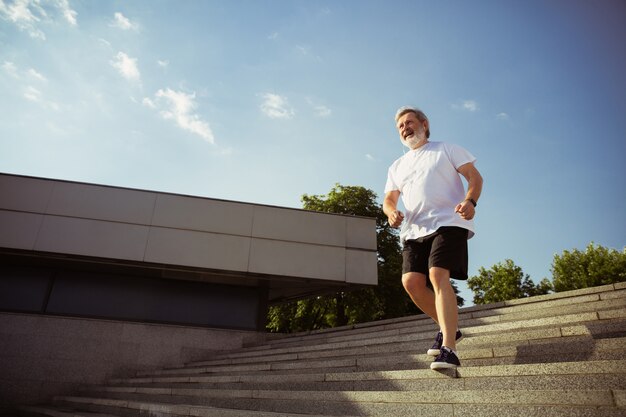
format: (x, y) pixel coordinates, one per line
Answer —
(36, 75)
(122, 22)
(163, 63)
(30, 74)
(180, 107)
(320, 110)
(503, 116)
(33, 94)
(369, 157)
(126, 66)
(68, 13)
(305, 51)
(23, 80)
(27, 15)
(275, 106)
(273, 36)
(467, 105)
(10, 68)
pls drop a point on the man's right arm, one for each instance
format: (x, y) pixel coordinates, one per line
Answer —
(390, 204)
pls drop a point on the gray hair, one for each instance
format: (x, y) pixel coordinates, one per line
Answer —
(417, 112)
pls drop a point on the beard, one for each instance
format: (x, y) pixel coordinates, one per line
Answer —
(416, 138)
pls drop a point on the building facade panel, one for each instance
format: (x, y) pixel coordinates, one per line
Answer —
(297, 260)
(92, 238)
(102, 203)
(192, 213)
(24, 193)
(360, 233)
(19, 230)
(361, 267)
(197, 249)
(299, 226)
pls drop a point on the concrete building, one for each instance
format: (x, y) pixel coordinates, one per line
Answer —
(116, 279)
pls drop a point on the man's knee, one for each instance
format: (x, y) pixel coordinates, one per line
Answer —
(412, 281)
(439, 277)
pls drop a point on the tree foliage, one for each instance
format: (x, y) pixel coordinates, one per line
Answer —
(387, 300)
(595, 266)
(504, 281)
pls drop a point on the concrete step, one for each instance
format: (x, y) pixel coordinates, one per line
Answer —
(359, 403)
(559, 350)
(539, 306)
(556, 355)
(412, 347)
(152, 409)
(542, 329)
(428, 331)
(531, 382)
(576, 375)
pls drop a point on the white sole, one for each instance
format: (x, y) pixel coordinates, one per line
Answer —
(442, 365)
(435, 352)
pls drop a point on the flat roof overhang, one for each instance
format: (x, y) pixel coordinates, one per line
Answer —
(292, 253)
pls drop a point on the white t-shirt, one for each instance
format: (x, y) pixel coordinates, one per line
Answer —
(430, 187)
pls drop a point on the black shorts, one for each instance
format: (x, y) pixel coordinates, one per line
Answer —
(446, 248)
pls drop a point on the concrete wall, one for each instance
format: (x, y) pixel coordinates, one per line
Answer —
(42, 356)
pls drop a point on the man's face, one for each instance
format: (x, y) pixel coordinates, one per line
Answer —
(408, 125)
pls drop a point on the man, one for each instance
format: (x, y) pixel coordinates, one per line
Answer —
(437, 224)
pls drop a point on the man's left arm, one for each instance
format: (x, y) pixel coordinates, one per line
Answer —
(466, 208)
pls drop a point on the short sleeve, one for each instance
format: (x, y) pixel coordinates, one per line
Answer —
(391, 184)
(458, 155)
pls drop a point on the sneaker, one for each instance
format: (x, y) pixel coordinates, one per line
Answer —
(447, 359)
(435, 350)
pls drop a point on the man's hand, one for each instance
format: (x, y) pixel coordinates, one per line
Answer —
(395, 219)
(466, 210)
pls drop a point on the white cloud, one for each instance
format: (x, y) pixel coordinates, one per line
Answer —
(68, 13)
(369, 157)
(467, 105)
(163, 63)
(36, 75)
(122, 22)
(126, 66)
(34, 95)
(20, 14)
(10, 69)
(503, 116)
(27, 15)
(148, 103)
(104, 42)
(322, 111)
(470, 105)
(179, 107)
(273, 36)
(276, 107)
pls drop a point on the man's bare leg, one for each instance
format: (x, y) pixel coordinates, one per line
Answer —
(445, 304)
(423, 297)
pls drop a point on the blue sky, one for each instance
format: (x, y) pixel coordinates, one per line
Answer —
(263, 101)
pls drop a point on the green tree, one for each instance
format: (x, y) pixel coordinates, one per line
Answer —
(387, 300)
(595, 266)
(504, 281)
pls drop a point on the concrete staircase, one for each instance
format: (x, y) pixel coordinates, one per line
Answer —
(556, 355)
